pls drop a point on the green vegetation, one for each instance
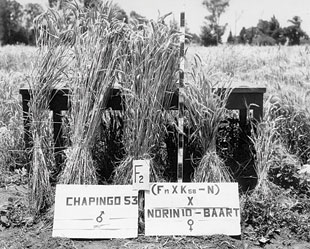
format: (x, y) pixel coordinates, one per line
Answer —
(212, 31)
(15, 62)
(271, 33)
(148, 84)
(16, 22)
(143, 60)
(206, 110)
(278, 205)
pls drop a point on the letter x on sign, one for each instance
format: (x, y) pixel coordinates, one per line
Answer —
(190, 201)
(174, 190)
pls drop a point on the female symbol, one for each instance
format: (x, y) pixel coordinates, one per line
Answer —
(190, 222)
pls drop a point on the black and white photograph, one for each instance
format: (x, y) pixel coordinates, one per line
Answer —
(155, 124)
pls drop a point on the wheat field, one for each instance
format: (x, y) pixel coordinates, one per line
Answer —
(284, 71)
(282, 140)
(271, 67)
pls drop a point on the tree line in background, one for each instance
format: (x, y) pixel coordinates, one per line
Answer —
(16, 25)
(265, 33)
(16, 22)
(270, 33)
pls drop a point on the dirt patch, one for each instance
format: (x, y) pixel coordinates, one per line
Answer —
(32, 238)
(18, 238)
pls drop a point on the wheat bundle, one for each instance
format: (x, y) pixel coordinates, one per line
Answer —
(97, 50)
(150, 75)
(267, 143)
(48, 72)
(205, 104)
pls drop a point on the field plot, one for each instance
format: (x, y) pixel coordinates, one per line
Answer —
(278, 67)
(276, 211)
(284, 71)
(15, 64)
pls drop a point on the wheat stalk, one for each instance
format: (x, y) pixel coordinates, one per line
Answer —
(147, 81)
(206, 106)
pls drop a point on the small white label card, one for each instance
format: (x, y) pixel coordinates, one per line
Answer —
(141, 174)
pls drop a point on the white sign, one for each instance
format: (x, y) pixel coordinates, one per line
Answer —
(192, 209)
(141, 174)
(96, 211)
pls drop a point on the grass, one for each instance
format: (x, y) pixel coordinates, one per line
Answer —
(16, 59)
(206, 110)
(48, 72)
(281, 140)
(266, 142)
(283, 71)
(96, 55)
(14, 67)
(284, 74)
(270, 67)
(148, 79)
(11, 123)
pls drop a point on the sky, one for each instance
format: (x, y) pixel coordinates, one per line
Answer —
(240, 13)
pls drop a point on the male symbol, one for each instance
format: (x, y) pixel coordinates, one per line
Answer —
(99, 219)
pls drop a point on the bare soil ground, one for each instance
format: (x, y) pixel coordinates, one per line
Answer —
(18, 231)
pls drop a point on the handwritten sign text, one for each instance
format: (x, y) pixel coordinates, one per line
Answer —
(192, 209)
(96, 211)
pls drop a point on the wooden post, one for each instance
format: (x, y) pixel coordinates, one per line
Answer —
(26, 119)
(181, 101)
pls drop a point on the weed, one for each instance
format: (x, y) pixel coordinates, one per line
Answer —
(275, 213)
